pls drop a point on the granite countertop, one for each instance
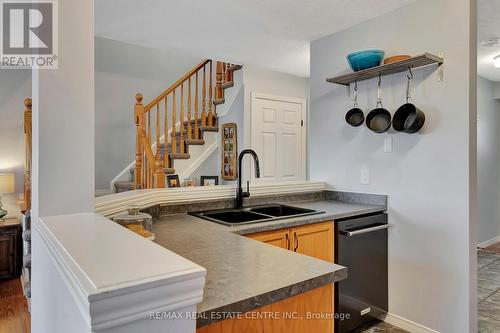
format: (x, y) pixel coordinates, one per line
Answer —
(233, 283)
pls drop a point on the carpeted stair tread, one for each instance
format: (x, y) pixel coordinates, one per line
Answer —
(219, 101)
(228, 84)
(195, 142)
(179, 156)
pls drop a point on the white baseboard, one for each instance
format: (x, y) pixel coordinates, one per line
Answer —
(489, 242)
(406, 324)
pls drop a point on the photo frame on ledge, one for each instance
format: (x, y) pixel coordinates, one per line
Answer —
(173, 181)
(209, 180)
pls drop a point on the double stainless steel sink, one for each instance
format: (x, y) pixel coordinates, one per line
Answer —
(254, 214)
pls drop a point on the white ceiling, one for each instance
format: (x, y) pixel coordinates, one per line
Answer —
(270, 33)
(488, 27)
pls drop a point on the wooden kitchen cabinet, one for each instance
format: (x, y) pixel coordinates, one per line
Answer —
(315, 240)
(279, 238)
(316, 301)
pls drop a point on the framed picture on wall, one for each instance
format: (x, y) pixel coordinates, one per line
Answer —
(209, 180)
(229, 151)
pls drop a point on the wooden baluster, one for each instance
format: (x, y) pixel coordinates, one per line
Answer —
(189, 129)
(210, 99)
(196, 97)
(165, 136)
(159, 176)
(157, 132)
(225, 72)
(139, 123)
(203, 99)
(219, 93)
(229, 73)
(181, 121)
(27, 165)
(174, 138)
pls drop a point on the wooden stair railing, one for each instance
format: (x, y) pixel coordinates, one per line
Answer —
(27, 162)
(155, 151)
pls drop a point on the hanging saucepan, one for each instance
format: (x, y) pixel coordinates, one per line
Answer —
(408, 118)
(355, 116)
(379, 119)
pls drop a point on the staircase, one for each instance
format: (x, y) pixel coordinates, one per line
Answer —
(189, 106)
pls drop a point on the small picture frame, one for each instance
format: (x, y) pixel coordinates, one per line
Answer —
(173, 181)
(209, 180)
(191, 182)
(229, 151)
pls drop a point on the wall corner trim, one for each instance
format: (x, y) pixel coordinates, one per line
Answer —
(110, 292)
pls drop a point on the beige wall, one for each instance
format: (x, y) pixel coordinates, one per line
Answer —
(430, 177)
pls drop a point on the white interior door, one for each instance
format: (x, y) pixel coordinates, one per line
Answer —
(279, 138)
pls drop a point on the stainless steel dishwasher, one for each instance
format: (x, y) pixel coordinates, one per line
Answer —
(361, 246)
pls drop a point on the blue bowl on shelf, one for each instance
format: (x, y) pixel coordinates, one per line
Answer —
(365, 59)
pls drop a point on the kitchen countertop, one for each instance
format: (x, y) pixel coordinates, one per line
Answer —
(233, 284)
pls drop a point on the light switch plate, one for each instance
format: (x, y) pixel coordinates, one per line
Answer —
(388, 145)
(365, 177)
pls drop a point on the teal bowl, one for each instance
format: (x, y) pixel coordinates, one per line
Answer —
(365, 59)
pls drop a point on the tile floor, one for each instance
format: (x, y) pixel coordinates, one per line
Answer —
(380, 327)
(488, 289)
(488, 292)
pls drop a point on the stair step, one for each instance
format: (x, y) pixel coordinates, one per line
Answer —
(219, 101)
(169, 171)
(228, 84)
(209, 128)
(235, 68)
(195, 142)
(124, 186)
(192, 122)
(179, 156)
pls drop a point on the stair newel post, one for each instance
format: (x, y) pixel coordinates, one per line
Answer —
(148, 162)
(189, 129)
(196, 129)
(204, 98)
(165, 135)
(219, 93)
(181, 121)
(159, 181)
(210, 99)
(27, 163)
(174, 138)
(139, 123)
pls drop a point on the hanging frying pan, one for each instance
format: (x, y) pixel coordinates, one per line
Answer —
(408, 118)
(379, 119)
(355, 116)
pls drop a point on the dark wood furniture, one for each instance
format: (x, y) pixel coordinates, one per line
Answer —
(10, 248)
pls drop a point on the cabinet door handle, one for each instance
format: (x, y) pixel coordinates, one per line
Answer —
(296, 241)
(287, 242)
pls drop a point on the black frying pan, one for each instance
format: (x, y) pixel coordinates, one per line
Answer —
(355, 116)
(379, 119)
(408, 118)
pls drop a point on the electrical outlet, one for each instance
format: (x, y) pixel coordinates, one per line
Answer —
(365, 177)
(388, 145)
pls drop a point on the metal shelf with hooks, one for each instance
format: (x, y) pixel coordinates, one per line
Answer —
(424, 60)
